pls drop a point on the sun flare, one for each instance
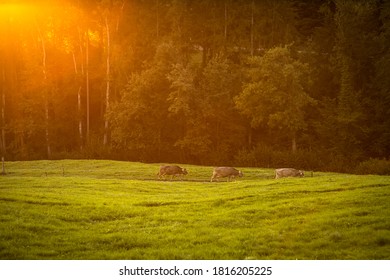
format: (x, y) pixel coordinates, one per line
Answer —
(13, 11)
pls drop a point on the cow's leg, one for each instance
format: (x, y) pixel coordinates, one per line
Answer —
(215, 178)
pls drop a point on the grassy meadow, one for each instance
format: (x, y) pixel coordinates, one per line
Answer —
(87, 209)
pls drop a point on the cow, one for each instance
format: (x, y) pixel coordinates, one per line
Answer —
(172, 170)
(229, 172)
(288, 172)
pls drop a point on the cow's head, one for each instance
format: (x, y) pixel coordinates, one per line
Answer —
(184, 171)
(240, 174)
(300, 173)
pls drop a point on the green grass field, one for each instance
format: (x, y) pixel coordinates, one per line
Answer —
(80, 209)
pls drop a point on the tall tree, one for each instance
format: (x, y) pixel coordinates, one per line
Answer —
(108, 76)
(356, 28)
(138, 119)
(205, 101)
(275, 93)
(380, 101)
(46, 91)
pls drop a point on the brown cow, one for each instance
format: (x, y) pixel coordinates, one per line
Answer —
(288, 172)
(172, 170)
(229, 172)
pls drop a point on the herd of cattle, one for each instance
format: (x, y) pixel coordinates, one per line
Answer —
(222, 172)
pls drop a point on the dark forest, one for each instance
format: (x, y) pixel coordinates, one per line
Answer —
(264, 83)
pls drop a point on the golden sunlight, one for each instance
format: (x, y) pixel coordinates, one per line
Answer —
(13, 11)
(45, 32)
(23, 12)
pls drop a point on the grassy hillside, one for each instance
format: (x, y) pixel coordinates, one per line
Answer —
(118, 210)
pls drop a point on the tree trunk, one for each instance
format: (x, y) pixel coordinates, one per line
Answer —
(87, 82)
(46, 97)
(3, 115)
(80, 126)
(225, 25)
(250, 137)
(252, 26)
(105, 141)
(294, 143)
(80, 118)
(2, 142)
(157, 19)
(47, 133)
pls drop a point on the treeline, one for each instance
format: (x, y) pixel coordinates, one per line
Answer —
(252, 83)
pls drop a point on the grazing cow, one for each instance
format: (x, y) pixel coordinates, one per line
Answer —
(229, 172)
(288, 172)
(172, 170)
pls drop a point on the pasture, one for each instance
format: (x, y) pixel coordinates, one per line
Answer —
(97, 209)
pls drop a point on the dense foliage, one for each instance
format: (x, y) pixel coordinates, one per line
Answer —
(256, 83)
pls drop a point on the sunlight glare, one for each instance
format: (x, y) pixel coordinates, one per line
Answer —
(14, 11)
